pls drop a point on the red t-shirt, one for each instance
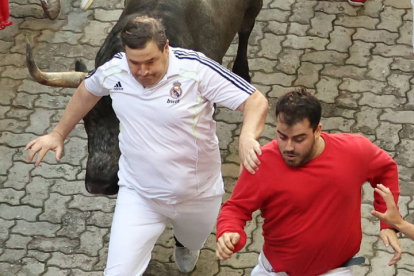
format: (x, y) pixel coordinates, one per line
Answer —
(312, 213)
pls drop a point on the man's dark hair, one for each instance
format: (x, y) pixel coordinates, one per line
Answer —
(296, 106)
(141, 30)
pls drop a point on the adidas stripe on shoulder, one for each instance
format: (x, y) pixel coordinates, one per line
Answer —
(224, 72)
(90, 74)
(118, 55)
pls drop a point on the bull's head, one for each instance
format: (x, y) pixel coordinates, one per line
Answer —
(102, 128)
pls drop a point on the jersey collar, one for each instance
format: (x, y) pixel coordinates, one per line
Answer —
(124, 63)
(173, 64)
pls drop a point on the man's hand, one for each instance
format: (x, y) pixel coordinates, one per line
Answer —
(52, 141)
(254, 116)
(389, 237)
(391, 217)
(249, 149)
(225, 245)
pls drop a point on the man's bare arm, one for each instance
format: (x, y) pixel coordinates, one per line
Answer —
(80, 104)
(254, 116)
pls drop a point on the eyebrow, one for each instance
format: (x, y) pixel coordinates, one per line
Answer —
(296, 136)
(151, 59)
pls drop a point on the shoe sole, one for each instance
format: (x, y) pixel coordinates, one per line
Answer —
(184, 271)
(87, 5)
(356, 4)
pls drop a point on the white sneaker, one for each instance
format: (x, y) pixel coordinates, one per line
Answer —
(185, 259)
(85, 4)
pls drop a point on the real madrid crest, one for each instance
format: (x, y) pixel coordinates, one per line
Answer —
(176, 91)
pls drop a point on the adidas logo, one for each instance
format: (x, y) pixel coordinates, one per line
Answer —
(118, 86)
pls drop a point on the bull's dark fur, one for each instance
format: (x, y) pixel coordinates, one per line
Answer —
(208, 26)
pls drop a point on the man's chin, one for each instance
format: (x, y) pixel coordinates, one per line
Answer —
(292, 163)
(146, 81)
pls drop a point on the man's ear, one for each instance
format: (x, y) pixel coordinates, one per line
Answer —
(167, 44)
(318, 130)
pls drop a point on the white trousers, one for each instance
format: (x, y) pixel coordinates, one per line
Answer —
(139, 221)
(264, 268)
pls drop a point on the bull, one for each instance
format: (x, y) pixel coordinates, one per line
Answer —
(208, 26)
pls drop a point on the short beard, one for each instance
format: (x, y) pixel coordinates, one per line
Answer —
(306, 157)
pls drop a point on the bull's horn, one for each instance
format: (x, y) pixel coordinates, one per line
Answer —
(61, 79)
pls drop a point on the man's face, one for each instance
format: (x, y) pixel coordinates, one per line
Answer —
(297, 143)
(148, 65)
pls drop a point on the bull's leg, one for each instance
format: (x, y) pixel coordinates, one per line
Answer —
(51, 8)
(241, 66)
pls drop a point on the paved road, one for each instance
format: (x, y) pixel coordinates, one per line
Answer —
(359, 60)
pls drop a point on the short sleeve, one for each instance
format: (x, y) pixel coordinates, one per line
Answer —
(220, 85)
(94, 82)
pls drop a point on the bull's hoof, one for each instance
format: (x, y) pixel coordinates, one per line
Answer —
(51, 8)
(85, 4)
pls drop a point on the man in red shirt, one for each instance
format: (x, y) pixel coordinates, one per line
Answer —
(308, 188)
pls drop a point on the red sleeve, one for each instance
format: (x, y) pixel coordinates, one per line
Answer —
(245, 199)
(381, 169)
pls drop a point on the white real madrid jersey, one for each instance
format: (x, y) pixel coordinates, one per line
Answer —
(169, 148)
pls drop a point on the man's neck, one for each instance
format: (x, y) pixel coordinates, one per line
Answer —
(319, 147)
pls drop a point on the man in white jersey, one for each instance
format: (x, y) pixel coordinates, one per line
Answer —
(170, 160)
